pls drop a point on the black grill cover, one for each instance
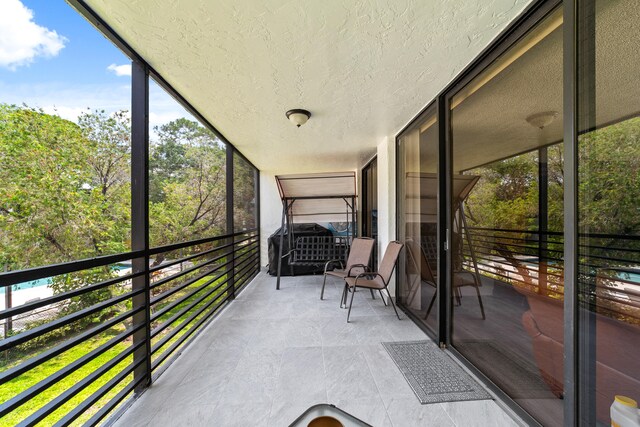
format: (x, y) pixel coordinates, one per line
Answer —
(298, 270)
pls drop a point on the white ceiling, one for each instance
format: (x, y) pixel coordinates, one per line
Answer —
(363, 68)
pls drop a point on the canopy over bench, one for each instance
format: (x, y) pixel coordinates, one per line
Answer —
(316, 197)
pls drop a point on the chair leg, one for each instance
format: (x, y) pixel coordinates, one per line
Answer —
(324, 281)
(392, 304)
(350, 304)
(382, 298)
(480, 301)
(431, 304)
(373, 296)
(343, 298)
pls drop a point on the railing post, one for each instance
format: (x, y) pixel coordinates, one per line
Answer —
(140, 219)
(230, 224)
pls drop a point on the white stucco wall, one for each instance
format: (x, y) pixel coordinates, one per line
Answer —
(386, 196)
(270, 213)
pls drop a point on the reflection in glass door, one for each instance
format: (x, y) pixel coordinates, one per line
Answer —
(418, 219)
(506, 226)
(608, 202)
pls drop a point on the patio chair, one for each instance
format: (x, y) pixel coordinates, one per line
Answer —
(419, 267)
(376, 280)
(460, 276)
(357, 261)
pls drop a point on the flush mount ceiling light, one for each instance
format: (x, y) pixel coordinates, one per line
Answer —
(542, 120)
(298, 116)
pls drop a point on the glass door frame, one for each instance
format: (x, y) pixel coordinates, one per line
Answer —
(533, 14)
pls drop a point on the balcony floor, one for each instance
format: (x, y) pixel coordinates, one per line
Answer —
(271, 354)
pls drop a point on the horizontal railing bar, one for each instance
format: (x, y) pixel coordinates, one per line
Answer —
(487, 238)
(181, 301)
(489, 252)
(533, 248)
(14, 340)
(475, 235)
(548, 273)
(601, 296)
(507, 230)
(244, 276)
(182, 312)
(559, 233)
(188, 333)
(244, 254)
(14, 311)
(515, 280)
(248, 259)
(30, 274)
(610, 248)
(175, 246)
(251, 246)
(246, 262)
(41, 358)
(197, 255)
(189, 270)
(97, 395)
(110, 405)
(175, 289)
(255, 242)
(77, 387)
(176, 316)
(486, 251)
(192, 269)
(245, 269)
(605, 258)
(245, 273)
(246, 282)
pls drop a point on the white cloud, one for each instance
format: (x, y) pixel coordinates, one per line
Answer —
(120, 70)
(21, 39)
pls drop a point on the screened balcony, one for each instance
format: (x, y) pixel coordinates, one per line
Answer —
(497, 140)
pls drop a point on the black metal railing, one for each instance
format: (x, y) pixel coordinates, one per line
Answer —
(533, 260)
(99, 342)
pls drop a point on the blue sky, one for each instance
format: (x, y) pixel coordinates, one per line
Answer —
(52, 58)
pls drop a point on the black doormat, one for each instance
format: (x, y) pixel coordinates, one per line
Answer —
(432, 374)
(518, 377)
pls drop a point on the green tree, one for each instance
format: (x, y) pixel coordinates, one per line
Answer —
(188, 168)
(65, 193)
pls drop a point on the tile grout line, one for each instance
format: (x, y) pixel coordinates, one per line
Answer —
(386, 411)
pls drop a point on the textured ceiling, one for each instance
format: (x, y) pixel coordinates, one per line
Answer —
(363, 68)
(491, 124)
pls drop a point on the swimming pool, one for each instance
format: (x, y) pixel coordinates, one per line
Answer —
(47, 281)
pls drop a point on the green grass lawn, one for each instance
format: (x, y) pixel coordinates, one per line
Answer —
(32, 377)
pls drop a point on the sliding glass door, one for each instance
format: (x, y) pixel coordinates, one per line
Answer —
(506, 222)
(418, 149)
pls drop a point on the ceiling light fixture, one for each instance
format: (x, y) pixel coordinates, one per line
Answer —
(542, 120)
(298, 116)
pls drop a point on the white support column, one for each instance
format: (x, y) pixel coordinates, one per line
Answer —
(386, 197)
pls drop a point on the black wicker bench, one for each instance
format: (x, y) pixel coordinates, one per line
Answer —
(313, 250)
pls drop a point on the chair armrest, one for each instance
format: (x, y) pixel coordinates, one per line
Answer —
(365, 267)
(369, 274)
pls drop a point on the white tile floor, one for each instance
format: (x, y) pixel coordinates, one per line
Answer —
(272, 354)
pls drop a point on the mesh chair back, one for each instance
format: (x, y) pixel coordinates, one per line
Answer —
(388, 262)
(419, 259)
(360, 251)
